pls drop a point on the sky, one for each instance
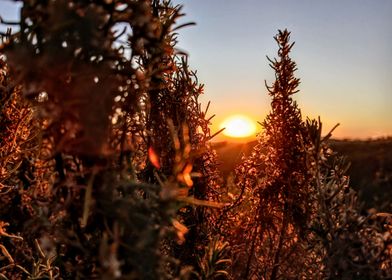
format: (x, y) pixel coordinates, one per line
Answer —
(343, 51)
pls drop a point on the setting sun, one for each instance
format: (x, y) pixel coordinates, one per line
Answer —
(238, 126)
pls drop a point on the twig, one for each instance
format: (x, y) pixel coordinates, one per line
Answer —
(88, 198)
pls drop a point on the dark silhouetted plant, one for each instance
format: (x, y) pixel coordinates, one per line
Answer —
(275, 178)
(345, 242)
(117, 158)
(298, 216)
(107, 171)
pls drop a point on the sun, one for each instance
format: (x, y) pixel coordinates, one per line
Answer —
(238, 126)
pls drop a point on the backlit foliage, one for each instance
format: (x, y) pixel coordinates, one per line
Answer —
(348, 243)
(275, 179)
(115, 158)
(298, 217)
(107, 170)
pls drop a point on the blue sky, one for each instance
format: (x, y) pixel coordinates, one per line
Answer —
(343, 52)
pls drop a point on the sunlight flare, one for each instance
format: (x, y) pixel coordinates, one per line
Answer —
(238, 126)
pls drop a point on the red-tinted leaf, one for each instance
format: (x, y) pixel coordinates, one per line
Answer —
(153, 157)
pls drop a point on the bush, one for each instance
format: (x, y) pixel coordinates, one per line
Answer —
(107, 171)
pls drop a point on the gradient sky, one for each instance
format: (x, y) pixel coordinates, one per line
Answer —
(343, 51)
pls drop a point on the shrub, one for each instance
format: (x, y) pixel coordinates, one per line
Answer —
(116, 160)
(298, 216)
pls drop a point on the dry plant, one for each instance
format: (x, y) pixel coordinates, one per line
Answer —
(347, 242)
(274, 181)
(107, 171)
(294, 215)
(123, 142)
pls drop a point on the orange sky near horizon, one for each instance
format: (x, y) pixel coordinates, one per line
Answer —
(356, 130)
(341, 132)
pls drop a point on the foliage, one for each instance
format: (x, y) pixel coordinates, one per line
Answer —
(275, 177)
(107, 171)
(349, 243)
(298, 216)
(214, 263)
(115, 157)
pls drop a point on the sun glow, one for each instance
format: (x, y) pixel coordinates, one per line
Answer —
(238, 126)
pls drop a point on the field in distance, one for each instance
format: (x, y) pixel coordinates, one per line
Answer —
(370, 171)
